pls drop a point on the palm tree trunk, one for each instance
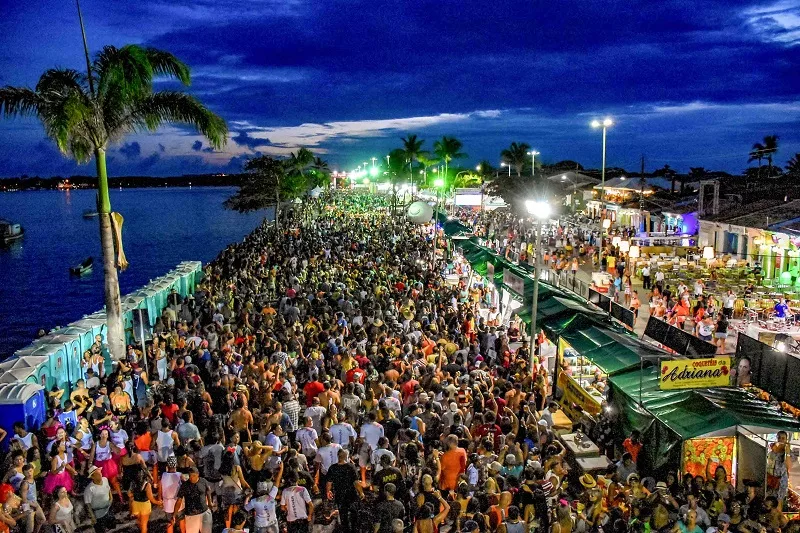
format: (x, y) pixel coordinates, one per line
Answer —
(115, 336)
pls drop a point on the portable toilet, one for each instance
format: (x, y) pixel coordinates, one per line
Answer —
(22, 402)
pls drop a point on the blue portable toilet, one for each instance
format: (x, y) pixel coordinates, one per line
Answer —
(23, 402)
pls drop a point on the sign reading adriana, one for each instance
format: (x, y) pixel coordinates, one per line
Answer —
(695, 373)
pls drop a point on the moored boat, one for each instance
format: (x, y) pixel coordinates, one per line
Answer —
(10, 232)
(83, 268)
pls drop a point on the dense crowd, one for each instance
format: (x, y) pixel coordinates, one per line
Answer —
(324, 377)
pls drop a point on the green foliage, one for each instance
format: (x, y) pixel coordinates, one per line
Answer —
(793, 166)
(264, 177)
(81, 121)
(517, 156)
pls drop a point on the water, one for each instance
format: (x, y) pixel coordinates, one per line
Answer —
(162, 228)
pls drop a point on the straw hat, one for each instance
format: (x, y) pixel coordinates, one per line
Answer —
(588, 481)
(378, 323)
(407, 314)
(450, 348)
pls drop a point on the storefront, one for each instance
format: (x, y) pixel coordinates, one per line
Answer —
(698, 430)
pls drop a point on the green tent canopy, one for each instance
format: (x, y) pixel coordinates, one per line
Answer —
(668, 417)
(602, 348)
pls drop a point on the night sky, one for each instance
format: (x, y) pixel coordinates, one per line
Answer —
(688, 83)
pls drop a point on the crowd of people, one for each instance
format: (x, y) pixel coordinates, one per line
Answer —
(325, 377)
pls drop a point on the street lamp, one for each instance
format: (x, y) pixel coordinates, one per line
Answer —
(504, 164)
(438, 183)
(605, 124)
(533, 154)
(565, 177)
(541, 211)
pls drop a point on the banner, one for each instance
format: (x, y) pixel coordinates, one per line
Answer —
(695, 373)
(575, 395)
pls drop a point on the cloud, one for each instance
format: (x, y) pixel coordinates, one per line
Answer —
(778, 22)
(244, 139)
(130, 150)
(197, 146)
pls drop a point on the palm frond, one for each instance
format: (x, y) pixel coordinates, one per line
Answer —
(123, 73)
(19, 101)
(165, 64)
(176, 108)
(55, 82)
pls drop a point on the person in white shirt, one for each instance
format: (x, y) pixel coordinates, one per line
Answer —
(343, 434)
(327, 454)
(316, 412)
(296, 503)
(307, 437)
(265, 504)
(383, 445)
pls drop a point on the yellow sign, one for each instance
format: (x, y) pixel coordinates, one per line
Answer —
(695, 373)
(575, 395)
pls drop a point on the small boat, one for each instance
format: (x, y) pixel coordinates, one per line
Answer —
(88, 213)
(83, 268)
(10, 232)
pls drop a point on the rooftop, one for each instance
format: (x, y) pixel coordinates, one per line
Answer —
(764, 214)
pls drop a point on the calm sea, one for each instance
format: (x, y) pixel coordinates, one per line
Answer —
(162, 228)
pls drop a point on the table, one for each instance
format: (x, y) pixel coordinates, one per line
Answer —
(579, 450)
(593, 464)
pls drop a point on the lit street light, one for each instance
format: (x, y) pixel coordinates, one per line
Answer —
(504, 164)
(533, 154)
(540, 211)
(607, 122)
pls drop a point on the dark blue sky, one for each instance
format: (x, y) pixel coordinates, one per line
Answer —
(688, 83)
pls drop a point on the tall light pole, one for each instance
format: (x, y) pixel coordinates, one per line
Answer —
(540, 211)
(607, 122)
(373, 161)
(438, 183)
(533, 154)
(504, 164)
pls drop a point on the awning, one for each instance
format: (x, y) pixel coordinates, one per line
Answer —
(695, 412)
(602, 349)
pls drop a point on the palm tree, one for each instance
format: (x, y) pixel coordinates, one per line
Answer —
(426, 161)
(516, 155)
(485, 168)
(757, 154)
(411, 150)
(770, 148)
(321, 172)
(793, 165)
(447, 149)
(84, 114)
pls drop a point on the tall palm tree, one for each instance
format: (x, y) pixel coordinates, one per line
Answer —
(411, 149)
(321, 171)
(757, 154)
(770, 148)
(447, 149)
(85, 113)
(516, 155)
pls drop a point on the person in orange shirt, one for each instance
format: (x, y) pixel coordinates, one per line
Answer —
(453, 463)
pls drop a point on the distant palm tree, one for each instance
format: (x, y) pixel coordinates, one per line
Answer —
(427, 162)
(85, 113)
(793, 165)
(757, 154)
(321, 172)
(485, 168)
(770, 148)
(516, 155)
(447, 149)
(411, 149)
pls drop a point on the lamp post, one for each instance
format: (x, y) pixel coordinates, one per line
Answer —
(438, 183)
(533, 154)
(605, 124)
(565, 177)
(504, 164)
(540, 211)
(604, 225)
